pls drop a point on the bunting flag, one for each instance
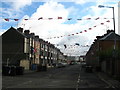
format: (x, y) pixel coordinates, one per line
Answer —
(77, 44)
(50, 18)
(16, 19)
(102, 23)
(108, 21)
(90, 28)
(40, 18)
(85, 30)
(97, 18)
(88, 18)
(65, 46)
(59, 17)
(79, 19)
(69, 18)
(6, 19)
(25, 19)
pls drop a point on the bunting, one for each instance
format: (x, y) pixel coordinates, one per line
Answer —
(79, 32)
(41, 18)
(72, 46)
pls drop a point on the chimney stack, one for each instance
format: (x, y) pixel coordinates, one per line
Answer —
(20, 29)
(37, 37)
(26, 32)
(32, 34)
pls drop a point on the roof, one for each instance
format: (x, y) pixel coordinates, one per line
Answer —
(110, 36)
(13, 29)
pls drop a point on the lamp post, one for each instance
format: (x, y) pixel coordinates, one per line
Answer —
(101, 6)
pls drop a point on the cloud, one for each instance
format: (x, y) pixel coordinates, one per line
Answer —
(50, 28)
(19, 4)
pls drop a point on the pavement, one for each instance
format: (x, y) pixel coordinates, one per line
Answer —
(112, 83)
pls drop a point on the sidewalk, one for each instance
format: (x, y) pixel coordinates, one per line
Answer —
(109, 80)
(29, 71)
(34, 71)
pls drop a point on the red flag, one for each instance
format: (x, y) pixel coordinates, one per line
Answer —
(59, 17)
(25, 19)
(16, 19)
(97, 18)
(88, 18)
(72, 34)
(81, 32)
(69, 18)
(90, 28)
(34, 50)
(79, 19)
(6, 19)
(40, 18)
(102, 23)
(108, 21)
(50, 18)
(85, 30)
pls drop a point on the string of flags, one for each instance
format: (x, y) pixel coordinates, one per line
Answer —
(58, 18)
(72, 46)
(79, 32)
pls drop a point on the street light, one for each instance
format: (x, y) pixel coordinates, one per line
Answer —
(101, 6)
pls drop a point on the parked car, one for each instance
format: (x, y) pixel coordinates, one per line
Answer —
(72, 63)
(65, 64)
(60, 65)
(88, 68)
(83, 65)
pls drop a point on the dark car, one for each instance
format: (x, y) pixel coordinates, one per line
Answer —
(88, 69)
(59, 65)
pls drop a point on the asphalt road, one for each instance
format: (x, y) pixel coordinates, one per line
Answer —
(67, 77)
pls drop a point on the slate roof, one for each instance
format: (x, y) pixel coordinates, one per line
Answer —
(110, 36)
(13, 29)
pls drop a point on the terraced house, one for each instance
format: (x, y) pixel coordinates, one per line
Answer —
(28, 50)
(104, 54)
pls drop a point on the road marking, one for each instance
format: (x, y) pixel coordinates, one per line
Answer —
(110, 85)
(78, 81)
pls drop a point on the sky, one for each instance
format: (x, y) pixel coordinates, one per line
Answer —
(76, 16)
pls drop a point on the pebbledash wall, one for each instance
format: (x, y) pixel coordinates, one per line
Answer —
(119, 17)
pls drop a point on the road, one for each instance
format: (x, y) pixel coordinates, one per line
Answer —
(71, 76)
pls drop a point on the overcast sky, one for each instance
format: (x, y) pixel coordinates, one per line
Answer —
(65, 30)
